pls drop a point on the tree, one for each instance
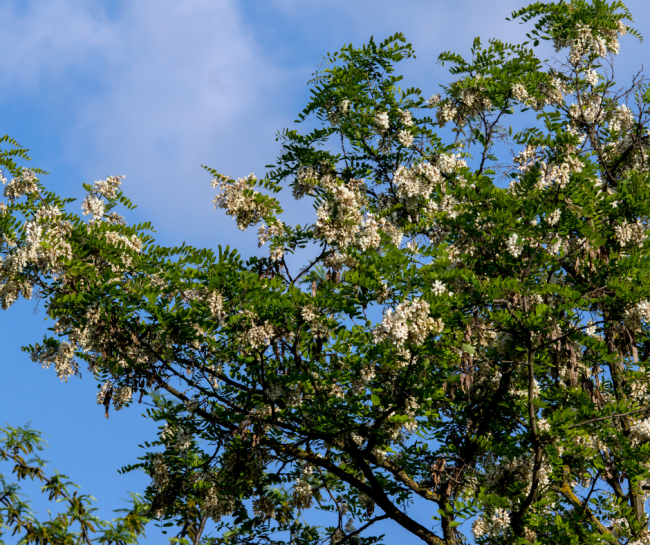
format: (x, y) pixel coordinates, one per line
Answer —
(78, 522)
(435, 338)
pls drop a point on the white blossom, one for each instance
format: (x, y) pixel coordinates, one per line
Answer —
(405, 118)
(183, 439)
(108, 188)
(633, 234)
(438, 288)
(519, 92)
(554, 217)
(448, 163)
(122, 396)
(25, 184)
(592, 77)
(302, 494)
(160, 473)
(405, 138)
(408, 323)
(382, 122)
(621, 119)
(241, 202)
(446, 112)
(492, 526)
(94, 206)
(515, 245)
(640, 432)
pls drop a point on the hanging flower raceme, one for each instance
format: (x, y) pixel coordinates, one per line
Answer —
(409, 323)
(238, 198)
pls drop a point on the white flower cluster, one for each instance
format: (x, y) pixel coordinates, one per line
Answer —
(515, 245)
(160, 473)
(382, 123)
(590, 110)
(450, 162)
(316, 326)
(62, 358)
(556, 246)
(493, 526)
(415, 182)
(44, 228)
(256, 335)
(591, 329)
(101, 395)
(472, 99)
(406, 118)
(640, 432)
(446, 112)
(543, 426)
(449, 205)
(554, 93)
(642, 310)
(302, 494)
(587, 43)
(272, 232)
(216, 506)
(121, 396)
(307, 179)
(519, 92)
(340, 216)
(183, 439)
(405, 138)
(438, 288)
(25, 184)
(240, 201)
(591, 76)
(259, 335)
(131, 243)
(621, 119)
(213, 298)
(109, 187)
(633, 234)
(335, 114)
(368, 235)
(94, 206)
(269, 232)
(553, 174)
(554, 217)
(408, 323)
(308, 313)
(526, 159)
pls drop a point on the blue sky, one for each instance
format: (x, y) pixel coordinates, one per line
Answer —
(153, 89)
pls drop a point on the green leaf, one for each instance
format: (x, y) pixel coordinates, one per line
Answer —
(469, 349)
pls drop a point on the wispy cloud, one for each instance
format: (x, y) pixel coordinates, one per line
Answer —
(153, 89)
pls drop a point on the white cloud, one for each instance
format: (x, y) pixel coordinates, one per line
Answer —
(152, 90)
(41, 40)
(189, 86)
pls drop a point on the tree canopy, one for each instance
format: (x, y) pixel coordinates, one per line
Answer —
(457, 344)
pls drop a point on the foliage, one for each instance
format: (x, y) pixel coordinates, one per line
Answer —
(444, 341)
(77, 523)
